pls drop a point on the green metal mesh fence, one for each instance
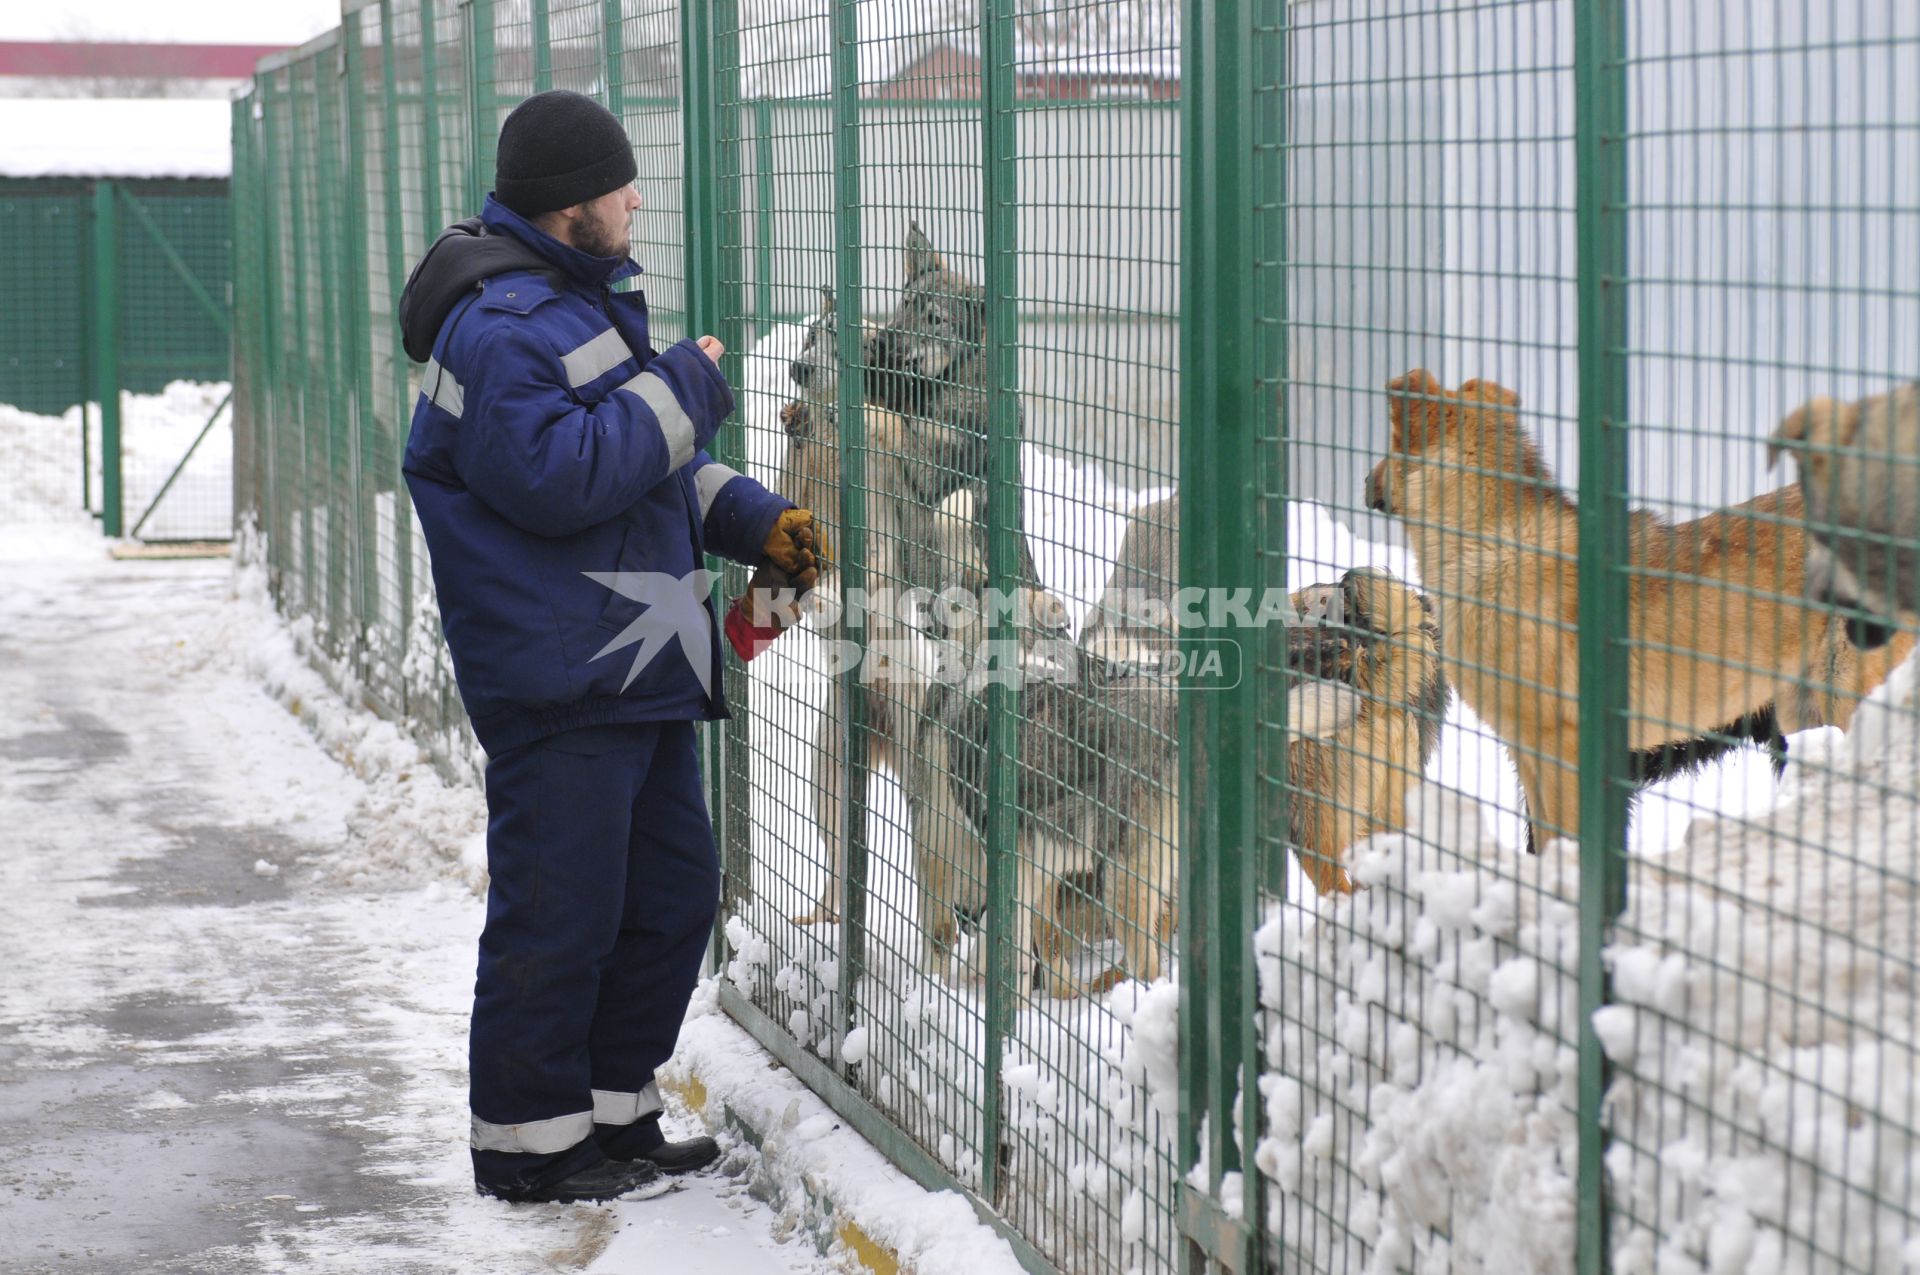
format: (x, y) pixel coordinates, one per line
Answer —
(47, 223)
(154, 256)
(1297, 369)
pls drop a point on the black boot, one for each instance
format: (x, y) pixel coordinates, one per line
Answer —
(601, 1180)
(687, 1156)
(643, 1143)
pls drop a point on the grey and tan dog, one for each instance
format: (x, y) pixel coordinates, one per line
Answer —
(1099, 786)
(1366, 700)
(928, 367)
(1860, 470)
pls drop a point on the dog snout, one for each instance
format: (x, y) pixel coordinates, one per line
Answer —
(1377, 488)
(801, 372)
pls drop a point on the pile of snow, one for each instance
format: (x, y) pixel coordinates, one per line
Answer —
(411, 820)
(1421, 1074)
(41, 458)
(826, 1173)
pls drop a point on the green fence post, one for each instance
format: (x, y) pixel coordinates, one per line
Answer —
(1219, 501)
(1266, 271)
(89, 389)
(1600, 222)
(709, 207)
(271, 202)
(430, 115)
(106, 350)
(613, 50)
(396, 280)
(342, 628)
(999, 195)
(305, 236)
(359, 364)
(763, 215)
(543, 46)
(853, 483)
(483, 99)
(729, 325)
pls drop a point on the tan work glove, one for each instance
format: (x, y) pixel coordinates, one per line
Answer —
(794, 547)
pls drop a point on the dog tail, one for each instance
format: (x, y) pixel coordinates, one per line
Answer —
(1683, 756)
(1648, 766)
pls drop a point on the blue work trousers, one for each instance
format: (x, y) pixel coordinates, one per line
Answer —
(604, 887)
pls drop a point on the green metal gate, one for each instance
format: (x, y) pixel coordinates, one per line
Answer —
(1193, 260)
(122, 287)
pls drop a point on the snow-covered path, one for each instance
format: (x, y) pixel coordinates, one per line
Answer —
(228, 1041)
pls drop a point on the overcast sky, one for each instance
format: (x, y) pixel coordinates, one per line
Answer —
(189, 21)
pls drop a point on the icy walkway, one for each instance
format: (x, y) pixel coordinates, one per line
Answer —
(222, 1047)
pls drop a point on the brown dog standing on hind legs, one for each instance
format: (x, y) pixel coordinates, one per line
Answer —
(1724, 646)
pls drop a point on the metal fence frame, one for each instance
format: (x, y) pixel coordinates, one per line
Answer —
(323, 395)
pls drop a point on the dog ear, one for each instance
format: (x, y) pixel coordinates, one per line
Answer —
(1413, 402)
(922, 256)
(826, 301)
(1489, 392)
(1816, 425)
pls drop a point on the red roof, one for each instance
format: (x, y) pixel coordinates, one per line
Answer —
(173, 61)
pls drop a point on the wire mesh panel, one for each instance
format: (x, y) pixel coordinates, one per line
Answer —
(382, 409)
(46, 222)
(1763, 1108)
(1417, 1016)
(420, 204)
(174, 270)
(1501, 327)
(954, 271)
(642, 52)
(43, 346)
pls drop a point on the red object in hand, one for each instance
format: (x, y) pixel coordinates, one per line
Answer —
(747, 638)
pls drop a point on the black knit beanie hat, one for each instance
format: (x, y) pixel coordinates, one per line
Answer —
(558, 149)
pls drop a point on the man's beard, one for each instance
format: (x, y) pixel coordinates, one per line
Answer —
(608, 239)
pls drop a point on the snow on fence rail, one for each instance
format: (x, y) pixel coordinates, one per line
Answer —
(1176, 285)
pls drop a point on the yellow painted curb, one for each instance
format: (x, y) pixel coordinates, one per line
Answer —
(874, 1256)
(870, 1253)
(691, 1091)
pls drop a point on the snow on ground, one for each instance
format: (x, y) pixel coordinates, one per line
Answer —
(40, 462)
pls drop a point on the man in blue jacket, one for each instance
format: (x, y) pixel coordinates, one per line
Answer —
(558, 468)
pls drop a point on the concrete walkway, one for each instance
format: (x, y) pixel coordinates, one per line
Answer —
(218, 1053)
